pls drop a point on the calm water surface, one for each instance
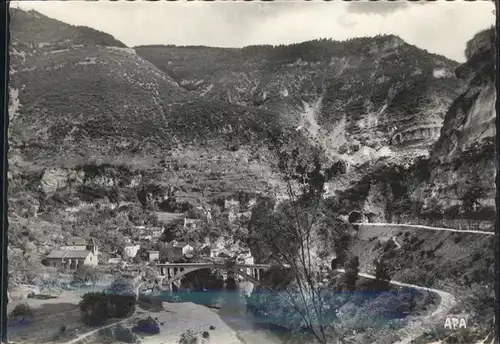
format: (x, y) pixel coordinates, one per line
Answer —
(233, 311)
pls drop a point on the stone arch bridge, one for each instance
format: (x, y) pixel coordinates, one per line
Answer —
(172, 272)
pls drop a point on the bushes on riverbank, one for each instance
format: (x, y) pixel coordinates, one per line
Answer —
(98, 307)
(362, 310)
(23, 310)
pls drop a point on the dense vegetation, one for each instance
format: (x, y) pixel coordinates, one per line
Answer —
(118, 301)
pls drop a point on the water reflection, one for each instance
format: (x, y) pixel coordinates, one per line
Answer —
(231, 306)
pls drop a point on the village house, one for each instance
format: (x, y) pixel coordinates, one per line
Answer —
(76, 252)
(154, 256)
(204, 250)
(130, 250)
(145, 237)
(207, 214)
(155, 232)
(191, 223)
(231, 204)
(224, 254)
(176, 250)
(116, 260)
(77, 244)
(182, 247)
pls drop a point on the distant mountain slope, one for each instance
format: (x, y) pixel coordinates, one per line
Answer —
(31, 29)
(81, 89)
(80, 93)
(83, 93)
(372, 87)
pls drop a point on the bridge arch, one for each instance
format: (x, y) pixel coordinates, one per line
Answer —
(181, 272)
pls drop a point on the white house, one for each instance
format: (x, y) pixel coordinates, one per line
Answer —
(155, 232)
(231, 204)
(154, 256)
(117, 260)
(74, 254)
(130, 250)
(182, 247)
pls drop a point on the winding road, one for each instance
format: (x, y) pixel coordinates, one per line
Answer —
(418, 326)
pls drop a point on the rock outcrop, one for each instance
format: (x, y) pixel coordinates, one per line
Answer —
(456, 177)
(462, 173)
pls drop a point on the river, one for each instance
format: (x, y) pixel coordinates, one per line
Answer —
(231, 306)
(233, 311)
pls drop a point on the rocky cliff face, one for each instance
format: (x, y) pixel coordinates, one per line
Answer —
(462, 174)
(456, 177)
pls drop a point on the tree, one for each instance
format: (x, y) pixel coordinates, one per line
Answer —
(121, 286)
(97, 307)
(350, 277)
(290, 233)
(85, 274)
(382, 274)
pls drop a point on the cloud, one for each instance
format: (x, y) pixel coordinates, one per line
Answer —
(382, 7)
(443, 28)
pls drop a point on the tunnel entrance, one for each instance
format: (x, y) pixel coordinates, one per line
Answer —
(396, 140)
(336, 263)
(371, 217)
(355, 217)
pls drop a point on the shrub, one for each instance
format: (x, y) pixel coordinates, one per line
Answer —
(22, 310)
(85, 274)
(125, 335)
(188, 337)
(148, 326)
(205, 334)
(98, 307)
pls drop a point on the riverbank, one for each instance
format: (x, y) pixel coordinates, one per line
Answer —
(50, 315)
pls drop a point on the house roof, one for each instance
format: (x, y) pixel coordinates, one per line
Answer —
(200, 246)
(180, 244)
(224, 253)
(76, 242)
(68, 254)
(131, 244)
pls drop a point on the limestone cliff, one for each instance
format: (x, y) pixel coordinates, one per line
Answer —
(462, 174)
(456, 178)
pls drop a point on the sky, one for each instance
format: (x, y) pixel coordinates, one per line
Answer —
(441, 27)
